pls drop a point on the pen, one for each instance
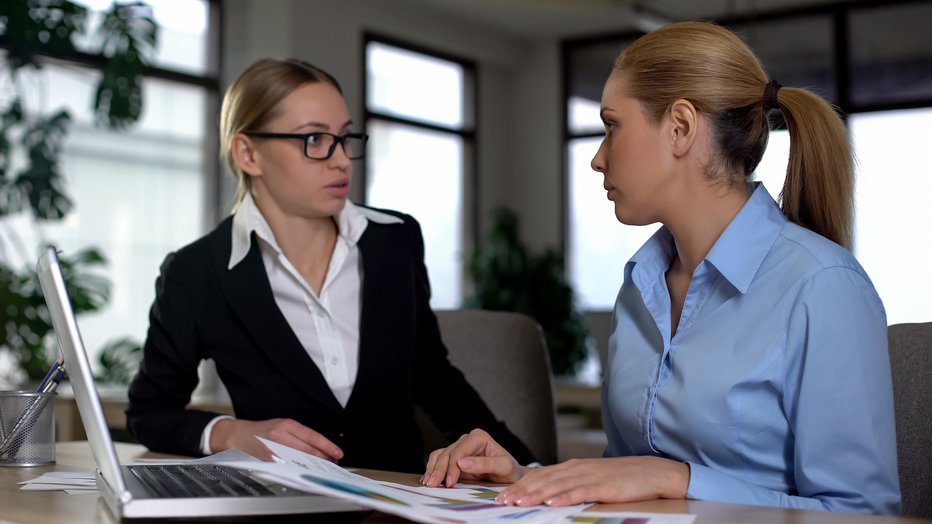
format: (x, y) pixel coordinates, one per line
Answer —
(48, 385)
(48, 376)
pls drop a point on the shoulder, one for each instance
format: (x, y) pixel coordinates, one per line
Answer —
(193, 259)
(822, 267)
(812, 253)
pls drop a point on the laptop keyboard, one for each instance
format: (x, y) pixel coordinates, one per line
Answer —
(198, 480)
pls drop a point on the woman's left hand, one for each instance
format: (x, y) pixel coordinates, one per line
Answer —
(624, 479)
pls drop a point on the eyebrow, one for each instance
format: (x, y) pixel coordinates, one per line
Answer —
(322, 126)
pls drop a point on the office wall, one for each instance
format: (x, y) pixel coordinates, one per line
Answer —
(519, 91)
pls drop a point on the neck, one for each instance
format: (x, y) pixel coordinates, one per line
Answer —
(305, 241)
(699, 221)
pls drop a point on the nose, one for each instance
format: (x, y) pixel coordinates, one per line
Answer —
(598, 161)
(339, 158)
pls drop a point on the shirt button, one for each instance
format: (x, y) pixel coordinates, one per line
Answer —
(341, 434)
(334, 360)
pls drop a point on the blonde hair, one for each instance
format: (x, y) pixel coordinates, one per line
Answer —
(717, 72)
(252, 100)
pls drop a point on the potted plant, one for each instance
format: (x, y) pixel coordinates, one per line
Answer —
(31, 141)
(509, 278)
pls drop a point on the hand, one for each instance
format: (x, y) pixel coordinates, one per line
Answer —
(624, 479)
(475, 456)
(241, 434)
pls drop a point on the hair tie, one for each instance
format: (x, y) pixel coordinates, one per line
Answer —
(770, 95)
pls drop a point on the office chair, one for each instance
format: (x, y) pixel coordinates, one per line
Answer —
(504, 356)
(911, 364)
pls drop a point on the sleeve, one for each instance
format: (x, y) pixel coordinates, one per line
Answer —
(441, 389)
(167, 376)
(838, 400)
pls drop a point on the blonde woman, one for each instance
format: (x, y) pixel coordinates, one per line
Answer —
(748, 361)
(315, 310)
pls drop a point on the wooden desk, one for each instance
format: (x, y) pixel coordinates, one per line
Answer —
(54, 507)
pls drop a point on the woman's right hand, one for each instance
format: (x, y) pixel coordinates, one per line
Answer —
(475, 456)
(241, 434)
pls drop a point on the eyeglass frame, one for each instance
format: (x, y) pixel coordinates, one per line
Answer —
(304, 137)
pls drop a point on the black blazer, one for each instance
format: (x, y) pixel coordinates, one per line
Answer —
(203, 310)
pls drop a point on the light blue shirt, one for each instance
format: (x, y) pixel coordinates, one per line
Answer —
(776, 388)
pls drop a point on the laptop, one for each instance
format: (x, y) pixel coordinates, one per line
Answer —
(160, 490)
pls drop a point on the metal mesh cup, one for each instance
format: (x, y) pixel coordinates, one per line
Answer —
(27, 428)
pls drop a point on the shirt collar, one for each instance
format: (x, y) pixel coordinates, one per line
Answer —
(738, 252)
(351, 224)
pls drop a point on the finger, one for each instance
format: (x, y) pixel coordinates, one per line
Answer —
(431, 464)
(577, 495)
(554, 484)
(531, 485)
(496, 467)
(440, 469)
(296, 435)
(319, 442)
(436, 457)
(442, 463)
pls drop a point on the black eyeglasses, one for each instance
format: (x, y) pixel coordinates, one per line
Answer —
(320, 145)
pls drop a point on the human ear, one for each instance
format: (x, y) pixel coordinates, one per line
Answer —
(245, 155)
(684, 126)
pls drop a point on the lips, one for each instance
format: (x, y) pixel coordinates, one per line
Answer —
(609, 191)
(339, 188)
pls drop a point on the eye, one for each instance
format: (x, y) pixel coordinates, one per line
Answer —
(314, 140)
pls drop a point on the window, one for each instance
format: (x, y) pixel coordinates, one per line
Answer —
(872, 61)
(420, 135)
(892, 214)
(139, 193)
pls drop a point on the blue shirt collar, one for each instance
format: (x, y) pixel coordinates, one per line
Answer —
(738, 252)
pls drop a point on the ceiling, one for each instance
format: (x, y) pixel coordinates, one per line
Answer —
(548, 19)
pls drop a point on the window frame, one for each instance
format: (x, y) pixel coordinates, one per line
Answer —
(469, 132)
(839, 16)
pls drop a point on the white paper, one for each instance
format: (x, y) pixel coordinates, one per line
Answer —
(462, 503)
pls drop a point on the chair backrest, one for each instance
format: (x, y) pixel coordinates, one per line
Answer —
(504, 356)
(911, 364)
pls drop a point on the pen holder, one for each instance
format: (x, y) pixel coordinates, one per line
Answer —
(27, 428)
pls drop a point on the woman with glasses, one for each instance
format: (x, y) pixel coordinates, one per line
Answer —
(314, 309)
(748, 361)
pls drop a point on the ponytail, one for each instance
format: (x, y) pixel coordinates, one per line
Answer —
(818, 192)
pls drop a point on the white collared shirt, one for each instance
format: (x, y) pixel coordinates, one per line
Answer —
(327, 325)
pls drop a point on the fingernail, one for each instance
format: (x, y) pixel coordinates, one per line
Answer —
(464, 463)
(421, 480)
(519, 502)
(548, 502)
(449, 481)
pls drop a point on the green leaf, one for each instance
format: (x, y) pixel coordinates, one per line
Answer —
(41, 179)
(24, 319)
(118, 99)
(508, 278)
(128, 36)
(119, 360)
(34, 27)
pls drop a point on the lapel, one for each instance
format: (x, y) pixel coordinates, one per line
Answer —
(249, 294)
(377, 263)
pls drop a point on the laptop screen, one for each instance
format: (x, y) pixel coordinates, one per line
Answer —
(79, 369)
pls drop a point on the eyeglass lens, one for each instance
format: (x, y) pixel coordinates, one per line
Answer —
(321, 146)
